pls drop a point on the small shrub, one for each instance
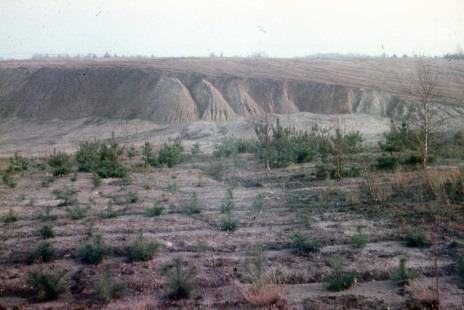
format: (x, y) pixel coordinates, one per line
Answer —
(47, 181)
(96, 180)
(73, 177)
(132, 197)
(46, 232)
(195, 150)
(415, 238)
(77, 212)
(228, 222)
(66, 194)
(7, 179)
(228, 204)
(258, 202)
(148, 156)
(402, 275)
(10, 217)
(140, 250)
(264, 290)
(338, 279)
(359, 240)
(101, 158)
(47, 215)
(45, 286)
(131, 152)
(460, 272)
(302, 245)
(93, 252)
(387, 163)
(322, 171)
(172, 187)
(44, 252)
(106, 289)
(180, 280)
(170, 154)
(193, 206)
(17, 163)
(156, 210)
(109, 212)
(60, 163)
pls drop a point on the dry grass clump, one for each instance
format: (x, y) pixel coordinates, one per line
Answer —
(262, 295)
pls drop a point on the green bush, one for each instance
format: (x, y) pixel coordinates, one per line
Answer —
(7, 179)
(109, 212)
(359, 240)
(140, 250)
(402, 275)
(132, 197)
(228, 204)
(415, 238)
(148, 156)
(93, 251)
(60, 163)
(193, 206)
(322, 171)
(338, 279)
(195, 150)
(46, 181)
(170, 154)
(67, 196)
(47, 215)
(156, 210)
(106, 289)
(43, 253)
(228, 222)
(303, 246)
(387, 162)
(46, 232)
(17, 163)
(96, 180)
(460, 272)
(258, 202)
(10, 217)
(45, 286)
(180, 280)
(77, 212)
(101, 158)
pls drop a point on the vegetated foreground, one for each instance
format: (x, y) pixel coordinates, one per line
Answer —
(333, 226)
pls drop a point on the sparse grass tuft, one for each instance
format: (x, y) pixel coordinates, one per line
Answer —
(180, 280)
(45, 286)
(141, 250)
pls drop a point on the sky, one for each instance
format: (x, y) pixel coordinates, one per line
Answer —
(284, 28)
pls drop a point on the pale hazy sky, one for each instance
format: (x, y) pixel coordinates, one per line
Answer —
(282, 28)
